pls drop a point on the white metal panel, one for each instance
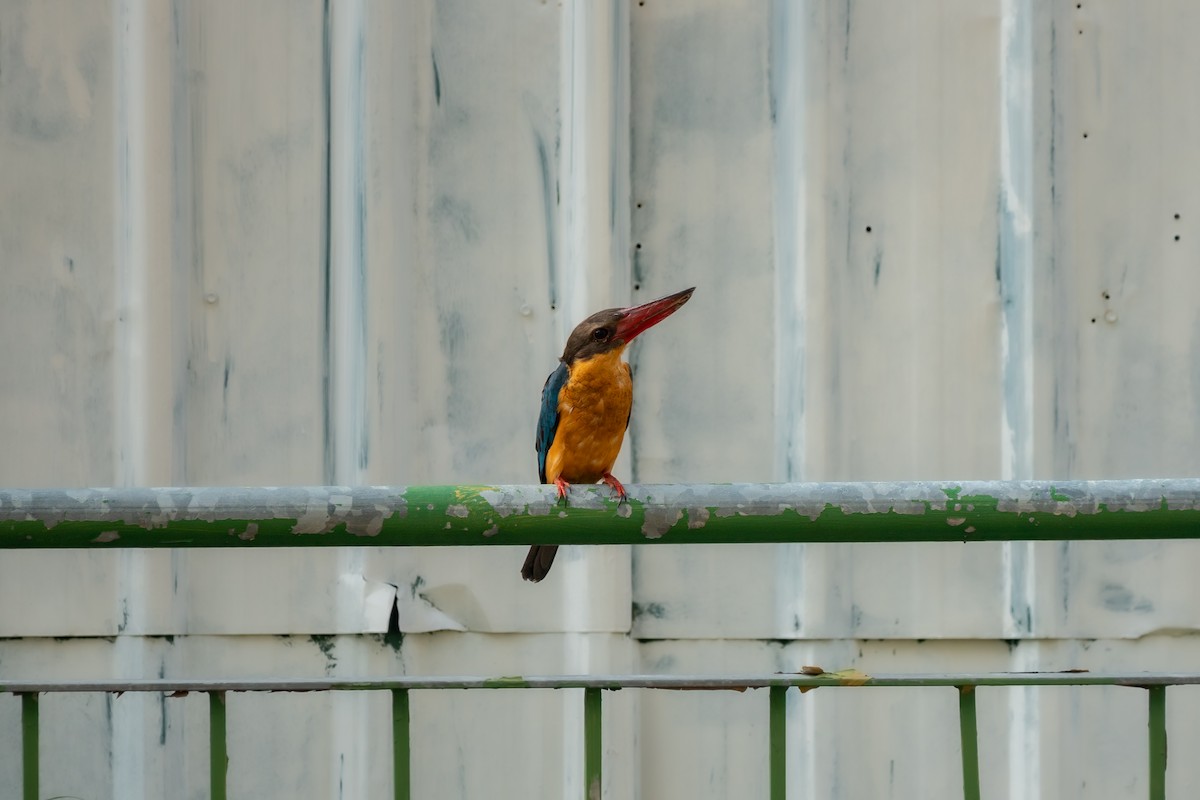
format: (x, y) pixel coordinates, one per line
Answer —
(896, 147)
(701, 216)
(469, 296)
(1124, 387)
(281, 243)
(56, 244)
(1117, 386)
(249, 128)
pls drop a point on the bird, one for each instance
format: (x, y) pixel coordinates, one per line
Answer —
(586, 406)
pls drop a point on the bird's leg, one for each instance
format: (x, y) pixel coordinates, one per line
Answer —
(562, 487)
(611, 480)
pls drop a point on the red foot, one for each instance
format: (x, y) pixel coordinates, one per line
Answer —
(611, 480)
(562, 487)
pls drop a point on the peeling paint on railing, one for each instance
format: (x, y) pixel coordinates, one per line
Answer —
(727, 513)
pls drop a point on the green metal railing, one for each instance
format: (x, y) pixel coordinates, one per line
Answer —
(966, 684)
(978, 511)
(522, 515)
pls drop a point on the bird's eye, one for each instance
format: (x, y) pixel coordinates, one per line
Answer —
(600, 334)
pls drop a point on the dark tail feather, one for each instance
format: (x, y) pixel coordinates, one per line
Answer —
(537, 563)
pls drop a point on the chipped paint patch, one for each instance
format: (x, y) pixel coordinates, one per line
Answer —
(399, 505)
(365, 525)
(1181, 504)
(107, 536)
(955, 521)
(509, 500)
(658, 521)
(315, 518)
(250, 532)
(812, 510)
(458, 510)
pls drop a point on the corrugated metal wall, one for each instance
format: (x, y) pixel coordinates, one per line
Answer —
(305, 242)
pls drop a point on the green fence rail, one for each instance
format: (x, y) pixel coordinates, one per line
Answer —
(672, 514)
(966, 684)
(675, 514)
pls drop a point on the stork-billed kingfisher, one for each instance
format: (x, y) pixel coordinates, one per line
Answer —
(586, 404)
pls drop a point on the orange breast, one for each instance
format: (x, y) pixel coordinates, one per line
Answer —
(593, 411)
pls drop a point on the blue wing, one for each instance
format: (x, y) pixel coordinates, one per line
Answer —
(548, 419)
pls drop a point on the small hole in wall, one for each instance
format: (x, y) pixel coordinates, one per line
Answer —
(1177, 237)
(637, 287)
(637, 246)
(1177, 216)
(639, 205)
(1085, 134)
(1105, 295)
(1093, 320)
(868, 229)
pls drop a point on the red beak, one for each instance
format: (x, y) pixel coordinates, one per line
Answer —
(638, 318)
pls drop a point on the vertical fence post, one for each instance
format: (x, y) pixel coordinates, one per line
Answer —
(778, 742)
(218, 754)
(29, 745)
(401, 758)
(592, 744)
(1158, 742)
(969, 732)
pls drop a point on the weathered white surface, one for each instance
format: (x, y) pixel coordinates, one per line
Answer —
(282, 243)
